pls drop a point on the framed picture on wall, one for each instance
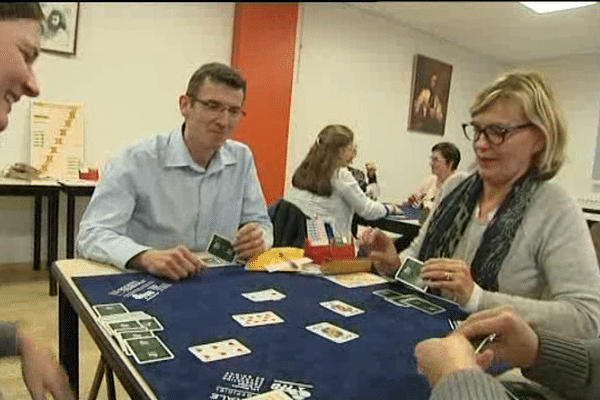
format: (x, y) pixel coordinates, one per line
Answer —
(59, 28)
(429, 100)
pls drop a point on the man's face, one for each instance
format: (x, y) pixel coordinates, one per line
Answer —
(19, 48)
(213, 115)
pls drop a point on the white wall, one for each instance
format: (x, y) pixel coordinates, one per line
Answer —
(133, 61)
(576, 83)
(355, 69)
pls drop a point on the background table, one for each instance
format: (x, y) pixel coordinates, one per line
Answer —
(39, 189)
(379, 364)
(73, 189)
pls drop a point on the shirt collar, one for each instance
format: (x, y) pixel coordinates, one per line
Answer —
(178, 155)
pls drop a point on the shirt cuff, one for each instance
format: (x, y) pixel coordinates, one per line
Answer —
(473, 303)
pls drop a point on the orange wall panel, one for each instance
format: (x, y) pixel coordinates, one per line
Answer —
(264, 43)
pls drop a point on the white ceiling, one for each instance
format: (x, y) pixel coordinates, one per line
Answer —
(507, 30)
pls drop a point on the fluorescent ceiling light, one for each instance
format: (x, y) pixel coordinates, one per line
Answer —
(550, 6)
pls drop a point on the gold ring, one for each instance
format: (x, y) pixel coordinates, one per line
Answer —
(447, 276)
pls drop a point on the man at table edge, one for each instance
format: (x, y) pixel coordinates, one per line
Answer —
(163, 199)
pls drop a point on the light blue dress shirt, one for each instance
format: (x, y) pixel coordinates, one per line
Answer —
(154, 195)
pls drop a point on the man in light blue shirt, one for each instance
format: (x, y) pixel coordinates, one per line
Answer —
(164, 198)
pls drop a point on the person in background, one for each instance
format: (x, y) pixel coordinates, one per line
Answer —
(20, 28)
(164, 198)
(445, 158)
(565, 366)
(506, 234)
(368, 182)
(323, 187)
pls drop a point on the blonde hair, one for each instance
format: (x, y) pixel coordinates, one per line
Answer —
(537, 101)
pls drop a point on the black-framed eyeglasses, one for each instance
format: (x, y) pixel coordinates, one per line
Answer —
(495, 134)
(216, 108)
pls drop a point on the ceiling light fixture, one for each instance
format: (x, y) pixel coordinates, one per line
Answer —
(550, 6)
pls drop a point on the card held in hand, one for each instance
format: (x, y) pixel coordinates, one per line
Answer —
(221, 247)
(410, 274)
(219, 350)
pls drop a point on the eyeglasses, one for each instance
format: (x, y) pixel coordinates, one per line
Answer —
(215, 108)
(495, 134)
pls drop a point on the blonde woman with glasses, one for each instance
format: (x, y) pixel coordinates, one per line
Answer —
(506, 234)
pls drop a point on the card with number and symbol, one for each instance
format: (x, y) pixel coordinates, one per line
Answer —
(341, 308)
(332, 332)
(257, 319)
(264, 295)
(219, 350)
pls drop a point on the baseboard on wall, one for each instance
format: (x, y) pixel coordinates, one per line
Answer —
(21, 272)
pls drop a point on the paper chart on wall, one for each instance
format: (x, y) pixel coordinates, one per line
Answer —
(57, 138)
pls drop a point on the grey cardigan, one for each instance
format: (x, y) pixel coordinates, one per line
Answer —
(550, 274)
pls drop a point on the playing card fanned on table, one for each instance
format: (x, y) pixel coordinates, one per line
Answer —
(357, 279)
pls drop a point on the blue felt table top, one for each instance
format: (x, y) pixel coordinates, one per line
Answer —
(380, 364)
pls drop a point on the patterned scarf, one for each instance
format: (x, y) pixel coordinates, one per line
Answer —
(451, 217)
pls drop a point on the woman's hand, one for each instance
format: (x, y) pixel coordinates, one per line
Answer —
(452, 276)
(381, 249)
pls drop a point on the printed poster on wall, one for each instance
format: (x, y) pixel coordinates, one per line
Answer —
(57, 138)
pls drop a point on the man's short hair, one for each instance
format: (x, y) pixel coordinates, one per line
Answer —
(450, 153)
(21, 10)
(216, 72)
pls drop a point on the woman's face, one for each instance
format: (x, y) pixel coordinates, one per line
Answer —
(503, 164)
(347, 154)
(439, 166)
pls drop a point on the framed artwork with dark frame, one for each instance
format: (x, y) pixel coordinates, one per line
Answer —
(430, 92)
(59, 28)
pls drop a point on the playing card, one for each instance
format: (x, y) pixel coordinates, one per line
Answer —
(424, 305)
(341, 308)
(356, 279)
(400, 299)
(272, 395)
(221, 248)
(148, 350)
(386, 293)
(219, 350)
(110, 309)
(410, 274)
(257, 319)
(332, 332)
(121, 325)
(264, 295)
(151, 324)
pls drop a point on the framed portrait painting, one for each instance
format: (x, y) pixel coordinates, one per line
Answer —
(430, 91)
(59, 28)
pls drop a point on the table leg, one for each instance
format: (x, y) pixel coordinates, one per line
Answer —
(68, 337)
(52, 236)
(70, 225)
(37, 232)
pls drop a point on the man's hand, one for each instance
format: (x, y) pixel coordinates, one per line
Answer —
(175, 264)
(437, 358)
(41, 372)
(516, 342)
(415, 198)
(249, 240)
(381, 249)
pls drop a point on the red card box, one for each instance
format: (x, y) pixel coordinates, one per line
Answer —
(322, 254)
